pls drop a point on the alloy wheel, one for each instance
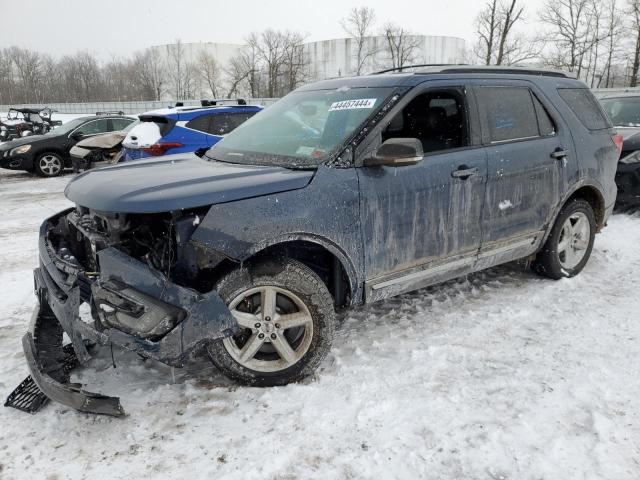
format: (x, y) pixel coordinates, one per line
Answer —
(574, 240)
(277, 329)
(50, 165)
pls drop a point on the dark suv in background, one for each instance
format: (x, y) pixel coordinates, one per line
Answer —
(624, 112)
(48, 154)
(344, 192)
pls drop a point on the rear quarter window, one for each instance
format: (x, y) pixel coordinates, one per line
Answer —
(200, 123)
(585, 106)
(227, 122)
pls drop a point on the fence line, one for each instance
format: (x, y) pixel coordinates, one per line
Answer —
(126, 107)
(145, 106)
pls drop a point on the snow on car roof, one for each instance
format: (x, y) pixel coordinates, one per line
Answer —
(174, 110)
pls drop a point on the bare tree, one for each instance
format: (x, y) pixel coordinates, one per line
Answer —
(498, 41)
(573, 32)
(295, 61)
(487, 28)
(614, 31)
(209, 71)
(152, 75)
(401, 45)
(634, 9)
(176, 68)
(509, 16)
(27, 65)
(359, 25)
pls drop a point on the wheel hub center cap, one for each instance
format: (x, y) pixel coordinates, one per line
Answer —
(267, 327)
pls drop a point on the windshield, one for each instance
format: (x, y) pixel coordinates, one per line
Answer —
(623, 112)
(304, 129)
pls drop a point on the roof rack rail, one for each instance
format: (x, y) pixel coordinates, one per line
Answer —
(506, 70)
(111, 112)
(420, 65)
(465, 68)
(213, 103)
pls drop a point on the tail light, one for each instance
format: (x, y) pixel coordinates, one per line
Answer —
(618, 140)
(160, 148)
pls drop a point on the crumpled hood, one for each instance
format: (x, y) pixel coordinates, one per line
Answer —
(108, 140)
(178, 182)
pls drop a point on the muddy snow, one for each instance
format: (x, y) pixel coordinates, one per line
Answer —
(500, 375)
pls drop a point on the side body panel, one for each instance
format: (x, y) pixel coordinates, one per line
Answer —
(325, 212)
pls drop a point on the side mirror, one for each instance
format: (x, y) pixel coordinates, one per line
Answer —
(78, 135)
(397, 152)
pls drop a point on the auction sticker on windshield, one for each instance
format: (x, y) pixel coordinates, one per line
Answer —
(353, 104)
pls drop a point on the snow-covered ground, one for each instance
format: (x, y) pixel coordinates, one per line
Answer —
(502, 375)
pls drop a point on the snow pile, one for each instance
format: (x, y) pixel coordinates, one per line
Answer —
(143, 135)
(502, 375)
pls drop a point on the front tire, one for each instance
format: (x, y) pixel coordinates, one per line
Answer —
(49, 164)
(568, 248)
(287, 319)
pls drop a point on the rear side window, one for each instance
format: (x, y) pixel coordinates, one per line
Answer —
(509, 113)
(227, 122)
(582, 102)
(200, 123)
(121, 123)
(94, 127)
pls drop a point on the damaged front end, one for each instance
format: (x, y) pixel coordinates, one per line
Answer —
(133, 272)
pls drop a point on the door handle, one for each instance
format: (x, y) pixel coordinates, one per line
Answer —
(463, 173)
(559, 153)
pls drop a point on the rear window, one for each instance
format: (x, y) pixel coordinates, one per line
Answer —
(585, 106)
(509, 113)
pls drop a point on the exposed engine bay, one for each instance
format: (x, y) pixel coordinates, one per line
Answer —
(159, 239)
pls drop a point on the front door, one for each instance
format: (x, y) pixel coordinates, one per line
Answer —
(422, 223)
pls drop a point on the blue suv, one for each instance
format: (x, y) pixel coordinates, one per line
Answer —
(344, 192)
(185, 129)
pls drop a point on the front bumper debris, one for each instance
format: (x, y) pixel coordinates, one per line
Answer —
(138, 308)
(45, 359)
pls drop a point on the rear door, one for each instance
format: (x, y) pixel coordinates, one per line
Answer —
(529, 152)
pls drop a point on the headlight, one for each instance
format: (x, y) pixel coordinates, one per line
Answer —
(19, 150)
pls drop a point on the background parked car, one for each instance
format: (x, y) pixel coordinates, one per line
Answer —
(185, 129)
(48, 154)
(99, 150)
(624, 112)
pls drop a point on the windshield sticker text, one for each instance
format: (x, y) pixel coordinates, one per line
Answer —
(353, 104)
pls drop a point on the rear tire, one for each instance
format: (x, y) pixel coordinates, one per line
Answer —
(287, 319)
(49, 164)
(568, 248)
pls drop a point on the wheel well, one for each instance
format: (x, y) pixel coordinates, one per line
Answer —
(319, 259)
(595, 199)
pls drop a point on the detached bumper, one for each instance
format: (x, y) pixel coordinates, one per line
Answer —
(139, 309)
(51, 378)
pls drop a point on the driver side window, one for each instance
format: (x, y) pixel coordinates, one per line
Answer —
(437, 118)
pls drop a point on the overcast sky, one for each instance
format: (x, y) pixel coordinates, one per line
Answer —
(117, 27)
